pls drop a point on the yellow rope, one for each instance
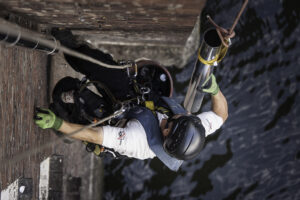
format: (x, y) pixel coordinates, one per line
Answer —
(218, 58)
(207, 62)
(222, 53)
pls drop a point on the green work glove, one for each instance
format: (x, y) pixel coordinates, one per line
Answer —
(45, 118)
(210, 85)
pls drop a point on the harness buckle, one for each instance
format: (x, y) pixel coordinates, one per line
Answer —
(129, 73)
(132, 64)
(145, 90)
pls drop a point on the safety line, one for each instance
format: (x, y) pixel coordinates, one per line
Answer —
(24, 154)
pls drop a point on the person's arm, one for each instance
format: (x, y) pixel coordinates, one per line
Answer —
(219, 105)
(90, 135)
(45, 119)
(219, 102)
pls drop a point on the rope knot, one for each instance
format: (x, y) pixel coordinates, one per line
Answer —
(225, 34)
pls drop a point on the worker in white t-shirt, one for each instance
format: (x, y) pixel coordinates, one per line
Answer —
(171, 139)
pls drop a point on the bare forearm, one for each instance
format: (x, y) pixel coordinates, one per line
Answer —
(219, 105)
(89, 134)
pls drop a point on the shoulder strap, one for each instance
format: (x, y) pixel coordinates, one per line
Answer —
(154, 136)
(175, 107)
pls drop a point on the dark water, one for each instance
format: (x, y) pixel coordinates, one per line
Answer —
(256, 154)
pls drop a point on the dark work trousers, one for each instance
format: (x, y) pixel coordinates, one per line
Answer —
(116, 80)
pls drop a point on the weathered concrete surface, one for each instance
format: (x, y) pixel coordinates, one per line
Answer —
(168, 49)
(77, 161)
(108, 15)
(24, 83)
(156, 29)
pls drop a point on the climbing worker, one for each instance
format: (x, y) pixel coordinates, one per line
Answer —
(171, 134)
(172, 140)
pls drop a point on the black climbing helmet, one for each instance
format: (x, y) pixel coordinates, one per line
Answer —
(64, 85)
(186, 138)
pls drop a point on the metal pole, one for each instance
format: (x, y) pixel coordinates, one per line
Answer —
(9, 30)
(207, 58)
(13, 40)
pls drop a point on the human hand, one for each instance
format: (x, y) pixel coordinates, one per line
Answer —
(210, 85)
(45, 119)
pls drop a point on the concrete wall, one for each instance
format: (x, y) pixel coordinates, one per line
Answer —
(159, 29)
(27, 78)
(23, 85)
(108, 15)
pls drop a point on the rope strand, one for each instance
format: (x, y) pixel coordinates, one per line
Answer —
(223, 33)
(24, 154)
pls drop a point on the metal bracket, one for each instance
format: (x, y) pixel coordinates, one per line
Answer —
(55, 47)
(37, 44)
(6, 37)
(17, 40)
(133, 64)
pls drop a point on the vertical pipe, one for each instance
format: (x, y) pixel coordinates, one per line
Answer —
(207, 58)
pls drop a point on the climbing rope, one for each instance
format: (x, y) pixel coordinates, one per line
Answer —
(224, 34)
(11, 161)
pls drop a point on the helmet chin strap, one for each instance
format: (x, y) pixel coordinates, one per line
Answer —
(163, 127)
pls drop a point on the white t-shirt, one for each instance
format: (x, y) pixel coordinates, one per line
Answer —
(132, 140)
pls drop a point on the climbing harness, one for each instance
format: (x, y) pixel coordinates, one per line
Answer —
(145, 79)
(90, 105)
